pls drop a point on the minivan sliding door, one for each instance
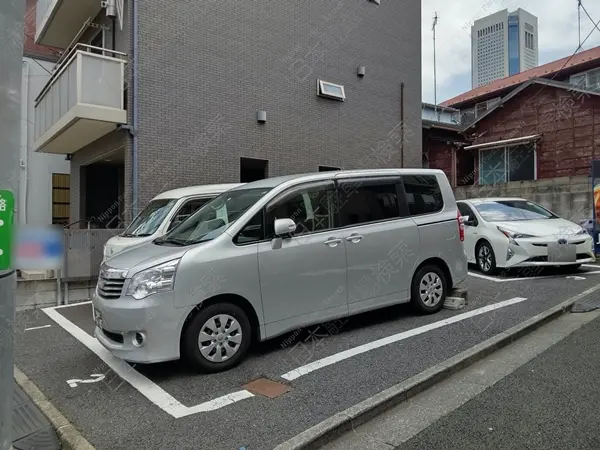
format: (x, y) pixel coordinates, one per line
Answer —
(381, 241)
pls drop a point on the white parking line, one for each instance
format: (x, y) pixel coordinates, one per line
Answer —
(337, 357)
(37, 328)
(147, 388)
(504, 280)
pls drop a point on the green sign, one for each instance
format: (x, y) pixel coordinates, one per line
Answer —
(7, 209)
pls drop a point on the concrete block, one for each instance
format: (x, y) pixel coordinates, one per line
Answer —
(34, 274)
(454, 303)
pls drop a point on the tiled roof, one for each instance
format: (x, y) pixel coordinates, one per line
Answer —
(546, 70)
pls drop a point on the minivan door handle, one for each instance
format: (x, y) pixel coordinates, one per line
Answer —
(333, 242)
(354, 238)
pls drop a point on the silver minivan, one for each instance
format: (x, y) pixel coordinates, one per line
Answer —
(273, 255)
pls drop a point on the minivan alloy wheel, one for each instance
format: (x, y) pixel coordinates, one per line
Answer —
(431, 289)
(220, 338)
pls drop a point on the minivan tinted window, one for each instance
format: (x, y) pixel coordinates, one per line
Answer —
(423, 194)
(364, 200)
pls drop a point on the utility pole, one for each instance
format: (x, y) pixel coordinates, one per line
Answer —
(435, 21)
(579, 23)
(12, 18)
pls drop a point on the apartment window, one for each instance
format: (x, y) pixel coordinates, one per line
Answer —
(372, 200)
(505, 164)
(423, 194)
(61, 198)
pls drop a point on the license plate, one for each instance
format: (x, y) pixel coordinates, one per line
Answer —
(562, 253)
(98, 318)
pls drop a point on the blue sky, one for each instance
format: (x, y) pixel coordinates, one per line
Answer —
(558, 37)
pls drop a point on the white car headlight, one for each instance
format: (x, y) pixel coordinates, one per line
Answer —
(514, 235)
(582, 231)
(160, 278)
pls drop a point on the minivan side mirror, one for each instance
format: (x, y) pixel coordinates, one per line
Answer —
(284, 227)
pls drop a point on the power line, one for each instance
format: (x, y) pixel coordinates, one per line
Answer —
(590, 17)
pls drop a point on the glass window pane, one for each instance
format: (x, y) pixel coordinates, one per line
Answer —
(363, 201)
(252, 232)
(310, 207)
(492, 166)
(521, 163)
(423, 194)
(186, 210)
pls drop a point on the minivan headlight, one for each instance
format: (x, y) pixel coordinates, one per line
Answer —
(160, 278)
(582, 231)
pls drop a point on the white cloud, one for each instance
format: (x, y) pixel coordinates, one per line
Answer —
(557, 22)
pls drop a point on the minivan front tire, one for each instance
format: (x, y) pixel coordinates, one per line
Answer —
(217, 338)
(429, 289)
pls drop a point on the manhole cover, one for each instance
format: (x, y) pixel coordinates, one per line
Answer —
(267, 388)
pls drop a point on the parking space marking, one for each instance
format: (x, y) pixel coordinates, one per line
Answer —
(504, 280)
(143, 385)
(337, 357)
(37, 328)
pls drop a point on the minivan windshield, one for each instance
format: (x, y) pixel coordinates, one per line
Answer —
(212, 219)
(148, 221)
(511, 210)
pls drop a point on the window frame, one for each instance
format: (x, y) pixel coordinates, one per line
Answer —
(403, 212)
(263, 212)
(321, 90)
(507, 163)
(186, 200)
(472, 216)
(441, 193)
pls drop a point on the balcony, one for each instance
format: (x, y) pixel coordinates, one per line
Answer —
(58, 21)
(82, 101)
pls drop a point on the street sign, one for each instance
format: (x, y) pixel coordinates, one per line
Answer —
(7, 209)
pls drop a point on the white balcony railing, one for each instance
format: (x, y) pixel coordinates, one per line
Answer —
(82, 101)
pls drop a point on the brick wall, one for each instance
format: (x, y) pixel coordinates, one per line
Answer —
(30, 48)
(569, 123)
(206, 68)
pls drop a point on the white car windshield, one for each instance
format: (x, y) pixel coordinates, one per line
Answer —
(212, 219)
(148, 221)
(511, 210)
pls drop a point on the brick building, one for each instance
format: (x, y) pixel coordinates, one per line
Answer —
(542, 123)
(176, 101)
(533, 134)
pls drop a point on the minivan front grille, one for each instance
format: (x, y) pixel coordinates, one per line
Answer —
(110, 283)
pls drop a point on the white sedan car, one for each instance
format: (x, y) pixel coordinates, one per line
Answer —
(514, 232)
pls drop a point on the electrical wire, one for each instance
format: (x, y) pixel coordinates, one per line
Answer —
(589, 17)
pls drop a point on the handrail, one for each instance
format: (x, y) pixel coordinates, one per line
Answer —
(59, 68)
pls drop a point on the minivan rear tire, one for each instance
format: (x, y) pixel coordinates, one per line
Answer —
(428, 274)
(224, 340)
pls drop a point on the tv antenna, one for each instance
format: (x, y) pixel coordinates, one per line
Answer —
(435, 21)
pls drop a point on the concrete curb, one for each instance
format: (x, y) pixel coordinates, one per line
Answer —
(70, 438)
(324, 432)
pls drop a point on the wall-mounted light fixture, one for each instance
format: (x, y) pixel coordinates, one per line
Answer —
(261, 116)
(361, 71)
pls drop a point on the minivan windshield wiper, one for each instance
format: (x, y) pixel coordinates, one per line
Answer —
(174, 241)
(136, 235)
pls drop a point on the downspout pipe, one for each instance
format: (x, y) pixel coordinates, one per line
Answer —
(24, 154)
(135, 107)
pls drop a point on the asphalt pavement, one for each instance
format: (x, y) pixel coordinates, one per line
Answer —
(549, 403)
(114, 414)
